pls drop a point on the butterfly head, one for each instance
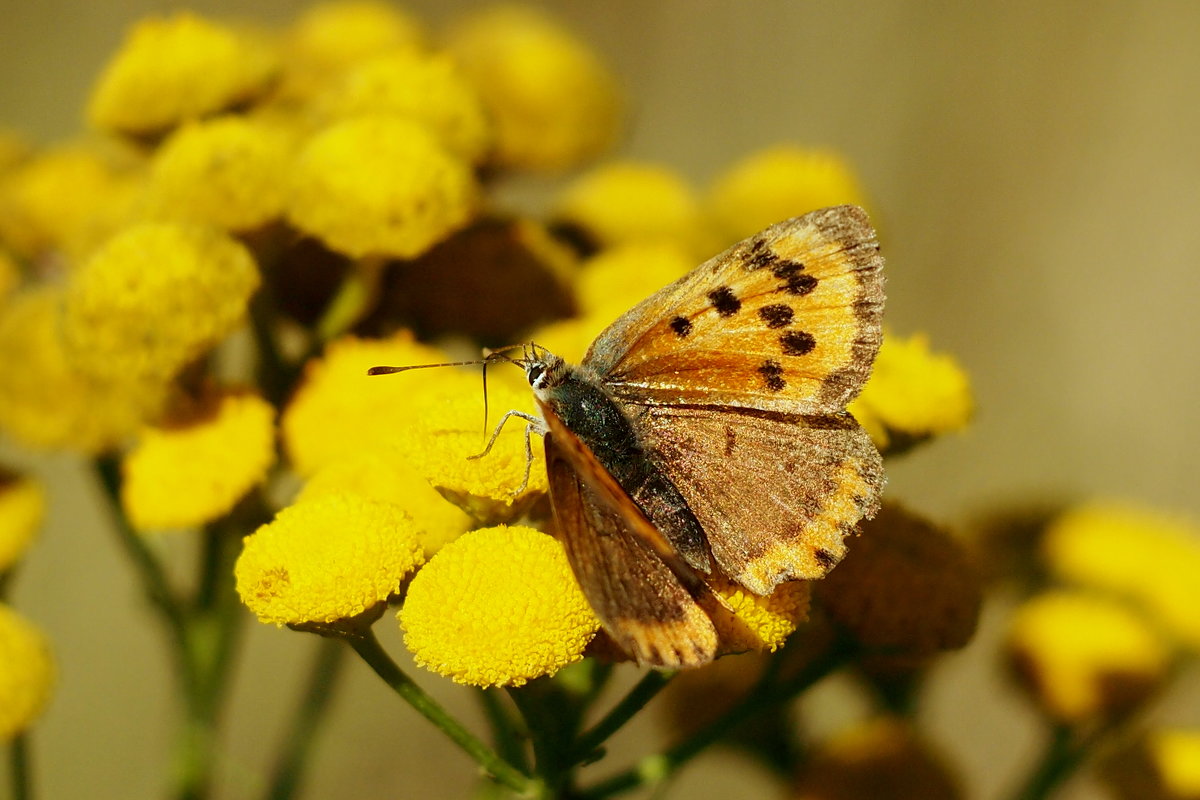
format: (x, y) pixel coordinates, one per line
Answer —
(543, 369)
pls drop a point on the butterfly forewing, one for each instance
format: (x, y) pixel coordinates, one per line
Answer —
(775, 494)
(788, 320)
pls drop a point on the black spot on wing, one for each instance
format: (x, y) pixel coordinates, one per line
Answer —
(725, 301)
(778, 315)
(772, 373)
(682, 327)
(787, 269)
(825, 558)
(799, 284)
(797, 343)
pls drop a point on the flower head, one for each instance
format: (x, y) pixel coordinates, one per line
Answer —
(497, 607)
(170, 69)
(339, 410)
(429, 89)
(155, 297)
(22, 508)
(1148, 556)
(27, 673)
(755, 623)
(904, 586)
(380, 185)
(554, 103)
(624, 201)
(913, 393)
(329, 558)
(332, 35)
(191, 471)
(230, 172)
(778, 183)
(1083, 656)
(384, 475)
(45, 401)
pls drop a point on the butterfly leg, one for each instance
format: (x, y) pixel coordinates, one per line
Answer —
(534, 422)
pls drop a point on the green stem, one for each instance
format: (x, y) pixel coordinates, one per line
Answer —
(646, 690)
(368, 647)
(659, 767)
(275, 375)
(506, 733)
(20, 770)
(1065, 752)
(294, 756)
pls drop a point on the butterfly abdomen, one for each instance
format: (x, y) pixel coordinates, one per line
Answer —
(589, 412)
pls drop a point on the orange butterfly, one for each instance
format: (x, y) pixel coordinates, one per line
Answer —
(705, 432)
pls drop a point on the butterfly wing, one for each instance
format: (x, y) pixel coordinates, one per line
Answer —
(787, 320)
(775, 494)
(641, 602)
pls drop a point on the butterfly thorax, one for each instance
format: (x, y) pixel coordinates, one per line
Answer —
(578, 397)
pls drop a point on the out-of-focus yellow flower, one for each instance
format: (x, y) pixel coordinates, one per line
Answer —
(1162, 764)
(27, 673)
(155, 297)
(22, 508)
(429, 89)
(1146, 555)
(339, 410)
(1083, 656)
(624, 201)
(755, 623)
(777, 183)
(45, 401)
(189, 472)
(329, 558)
(571, 338)
(445, 432)
(230, 172)
(881, 759)
(615, 280)
(170, 69)
(904, 586)
(554, 103)
(380, 185)
(330, 36)
(49, 201)
(497, 607)
(913, 393)
(384, 475)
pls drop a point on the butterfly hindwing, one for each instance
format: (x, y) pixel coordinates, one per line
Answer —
(613, 551)
(787, 320)
(775, 494)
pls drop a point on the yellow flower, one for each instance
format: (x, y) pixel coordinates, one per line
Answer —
(617, 279)
(193, 471)
(384, 475)
(445, 432)
(757, 623)
(1146, 555)
(913, 393)
(155, 297)
(904, 586)
(332, 35)
(497, 607)
(50, 201)
(554, 103)
(778, 183)
(170, 69)
(1160, 764)
(1176, 754)
(22, 508)
(45, 401)
(625, 201)
(427, 89)
(879, 758)
(339, 410)
(380, 185)
(26, 673)
(230, 172)
(1083, 656)
(329, 558)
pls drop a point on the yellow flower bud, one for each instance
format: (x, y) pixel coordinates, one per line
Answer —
(27, 673)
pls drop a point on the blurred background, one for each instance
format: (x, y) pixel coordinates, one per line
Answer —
(1034, 173)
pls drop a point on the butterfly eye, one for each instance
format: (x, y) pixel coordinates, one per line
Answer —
(534, 373)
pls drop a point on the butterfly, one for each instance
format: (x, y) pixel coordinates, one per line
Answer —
(705, 432)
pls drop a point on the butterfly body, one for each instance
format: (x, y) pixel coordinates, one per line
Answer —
(705, 433)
